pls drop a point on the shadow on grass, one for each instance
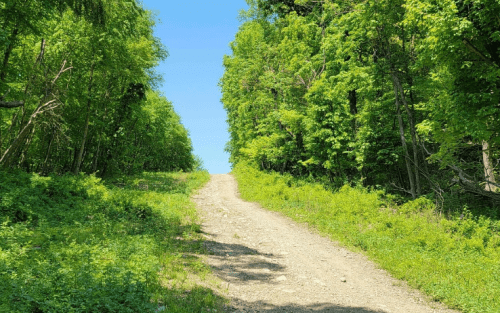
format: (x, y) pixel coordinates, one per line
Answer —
(108, 294)
(157, 182)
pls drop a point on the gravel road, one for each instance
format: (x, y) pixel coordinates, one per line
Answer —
(268, 263)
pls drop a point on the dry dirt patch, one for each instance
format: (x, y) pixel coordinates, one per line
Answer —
(268, 263)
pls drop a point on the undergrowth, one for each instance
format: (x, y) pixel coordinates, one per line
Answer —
(78, 244)
(455, 260)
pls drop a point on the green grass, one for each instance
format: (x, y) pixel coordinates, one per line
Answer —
(456, 261)
(78, 244)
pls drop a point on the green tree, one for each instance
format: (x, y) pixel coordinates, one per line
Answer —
(462, 47)
(84, 80)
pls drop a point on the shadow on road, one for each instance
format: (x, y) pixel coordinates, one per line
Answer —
(263, 307)
(245, 264)
(227, 249)
(241, 265)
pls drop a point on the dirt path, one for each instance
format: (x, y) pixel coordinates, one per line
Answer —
(271, 264)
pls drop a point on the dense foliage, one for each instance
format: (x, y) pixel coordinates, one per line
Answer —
(402, 94)
(77, 90)
(455, 260)
(78, 244)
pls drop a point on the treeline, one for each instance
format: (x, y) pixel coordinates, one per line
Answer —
(78, 90)
(402, 94)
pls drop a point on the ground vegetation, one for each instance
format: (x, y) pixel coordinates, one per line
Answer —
(454, 260)
(80, 244)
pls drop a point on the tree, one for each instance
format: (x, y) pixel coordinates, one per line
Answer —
(463, 41)
(84, 79)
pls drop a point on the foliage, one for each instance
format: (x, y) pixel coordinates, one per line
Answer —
(78, 90)
(453, 260)
(79, 244)
(395, 94)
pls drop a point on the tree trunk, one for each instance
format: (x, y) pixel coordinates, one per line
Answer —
(39, 60)
(6, 159)
(403, 143)
(413, 133)
(11, 104)
(96, 157)
(6, 57)
(424, 161)
(87, 120)
(353, 101)
(489, 174)
(27, 145)
(13, 122)
(84, 139)
(43, 170)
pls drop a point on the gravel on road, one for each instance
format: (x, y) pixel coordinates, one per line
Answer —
(269, 263)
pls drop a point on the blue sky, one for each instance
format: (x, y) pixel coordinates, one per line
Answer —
(197, 35)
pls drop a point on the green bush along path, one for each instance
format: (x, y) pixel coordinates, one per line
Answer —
(80, 244)
(454, 260)
(136, 244)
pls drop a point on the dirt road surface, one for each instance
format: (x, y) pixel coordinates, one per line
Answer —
(268, 263)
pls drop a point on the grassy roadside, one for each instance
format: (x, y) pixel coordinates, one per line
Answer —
(455, 261)
(78, 244)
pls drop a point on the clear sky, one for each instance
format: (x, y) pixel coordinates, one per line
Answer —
(197, 35)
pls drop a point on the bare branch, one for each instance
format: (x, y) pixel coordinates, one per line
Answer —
(401, 189)
(302, 81)
(479, 53)
(61, 71)
(11, 104)
(5, 95)
(466, 178)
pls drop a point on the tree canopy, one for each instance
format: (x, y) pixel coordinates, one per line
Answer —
(78, 90)
(402, 94)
